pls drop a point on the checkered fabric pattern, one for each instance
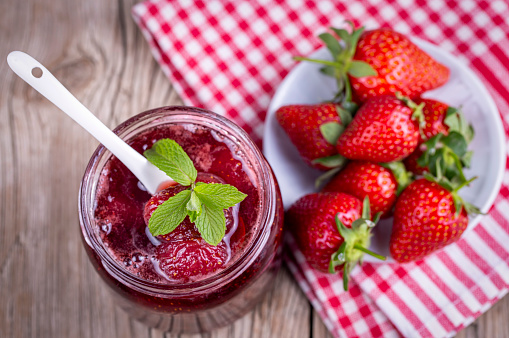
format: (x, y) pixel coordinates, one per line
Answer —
(230, 56)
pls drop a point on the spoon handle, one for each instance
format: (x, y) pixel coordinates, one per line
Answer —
(26, 66)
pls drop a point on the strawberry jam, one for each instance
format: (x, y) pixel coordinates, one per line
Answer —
(177, 282)
(121, 201)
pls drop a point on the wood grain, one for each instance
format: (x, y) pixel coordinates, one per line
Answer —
(48, 287)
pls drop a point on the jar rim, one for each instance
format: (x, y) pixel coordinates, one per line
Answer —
(266, 187)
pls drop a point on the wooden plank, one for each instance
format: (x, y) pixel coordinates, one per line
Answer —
(319, 328)
(469, 332)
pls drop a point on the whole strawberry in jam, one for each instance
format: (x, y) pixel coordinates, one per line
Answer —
(385, 129)
(332, 230)
(179, 260)
(427, 217)
(368, 179)
(314, 130)
(400, 65)
(183, 253)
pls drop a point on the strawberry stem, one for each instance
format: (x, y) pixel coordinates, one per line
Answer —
(346, 273)
(348, 91)
(465, 183)
(322, 62)
(342, 64)
(369, 252)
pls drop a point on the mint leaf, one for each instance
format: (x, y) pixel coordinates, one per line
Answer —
(170, 214)
(193, 207)
(169, 156)
(331, 131)
(211, 224)
(215, 195)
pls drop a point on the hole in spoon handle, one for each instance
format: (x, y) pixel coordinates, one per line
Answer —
(37, 72)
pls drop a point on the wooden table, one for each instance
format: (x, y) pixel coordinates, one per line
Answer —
(48, 287)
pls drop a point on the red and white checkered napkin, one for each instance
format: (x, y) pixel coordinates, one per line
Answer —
(230, 56)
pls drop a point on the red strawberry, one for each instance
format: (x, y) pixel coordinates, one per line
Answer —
(378, 62)
(434, 113)
(385, 129)
(183, 254)
(182, 259)
(426, 218)
(367, 179)
(304, 125)
(411, 162)
(332, 230)
(401, 66)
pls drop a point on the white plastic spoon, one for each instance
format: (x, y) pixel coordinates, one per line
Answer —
(25, 66)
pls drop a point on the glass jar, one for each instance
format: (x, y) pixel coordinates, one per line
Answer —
(217, 300)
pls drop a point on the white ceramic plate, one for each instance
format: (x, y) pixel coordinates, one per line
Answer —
(306, 85)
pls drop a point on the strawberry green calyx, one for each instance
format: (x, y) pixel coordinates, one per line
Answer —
(356, 242)
(460, 202)
(454, 187)
(329, 174)
(334, 162)
(417, 109)
(402, 176)
(449, 153)
(457, 122)
(342, 63)
(331, 131)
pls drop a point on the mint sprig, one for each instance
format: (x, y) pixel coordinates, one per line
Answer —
(169, 156)
(202, 202)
